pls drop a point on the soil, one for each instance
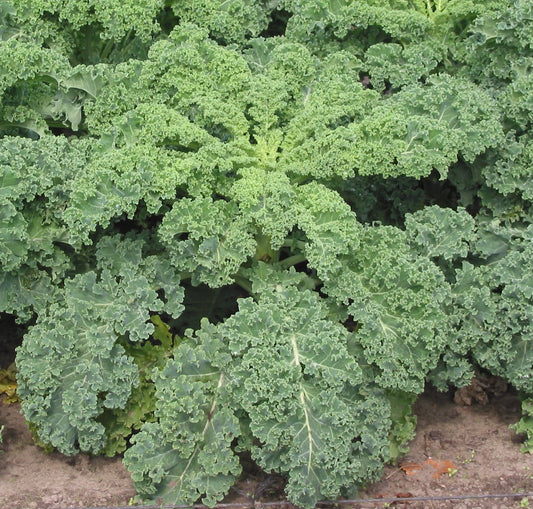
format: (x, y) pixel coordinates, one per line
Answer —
(462, 447)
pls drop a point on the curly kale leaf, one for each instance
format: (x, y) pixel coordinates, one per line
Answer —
(207, 239)
(233, 21)
(396, 299)
(513, 171)
(323, 23)
(525, 425)
(438, 232)
(317, 424)
(469, 309)
(187, 452)
(208, 77)
(422, 128)
(71, 364)
(110, 20)
(265, 199)
(112, 185)
(41, 91)
(328, 25)
(507, 347)
(26, 292)
(391, 66)
(29, 87)
(70, 368)
(321, 136)
(490, 313)
(330, 228)
(121, 423)
(413, 132)
(27, 60)
(37, 180)
(498, 55)
(390, 288)
(447, 237)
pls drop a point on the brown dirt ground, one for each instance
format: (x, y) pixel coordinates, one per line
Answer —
(476, 439)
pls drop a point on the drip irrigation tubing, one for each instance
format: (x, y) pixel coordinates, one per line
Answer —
(287, 505)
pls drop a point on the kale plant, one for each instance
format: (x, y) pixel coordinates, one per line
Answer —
(262, 227)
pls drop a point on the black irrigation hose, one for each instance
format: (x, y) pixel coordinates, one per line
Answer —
(258, 505)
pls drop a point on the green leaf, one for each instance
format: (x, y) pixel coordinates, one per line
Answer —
(401, 66)
(187, 453)
(396, 300)
(206, 238)
(313, 424)
(439, 232)
(329, 225)
(525, 425)
(227, 21)
(506, 348)
(52, 369)
(71, 374)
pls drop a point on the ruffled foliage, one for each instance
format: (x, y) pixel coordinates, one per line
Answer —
(262, 227)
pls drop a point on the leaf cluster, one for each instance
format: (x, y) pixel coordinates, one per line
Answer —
(262, 227)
